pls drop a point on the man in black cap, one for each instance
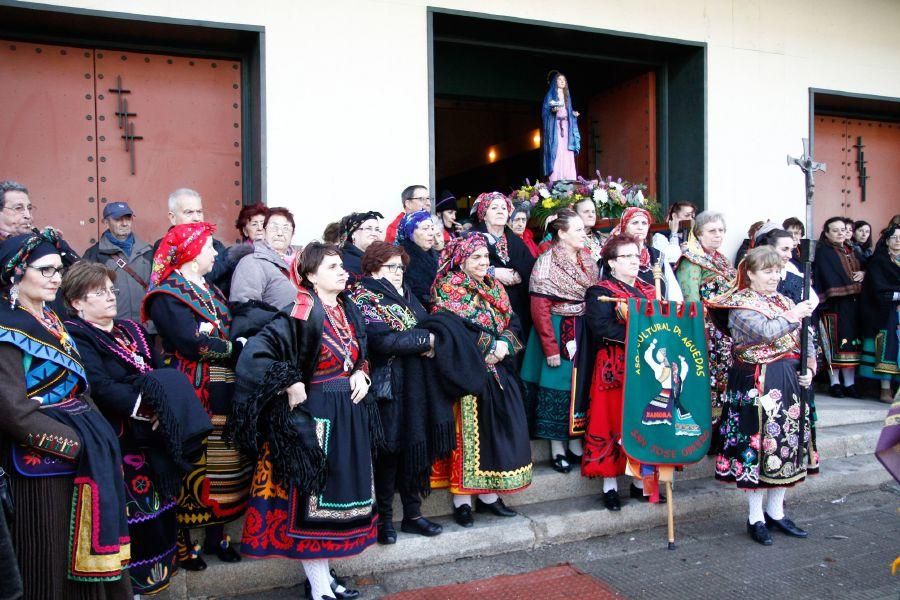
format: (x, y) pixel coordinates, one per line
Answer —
(129, 257)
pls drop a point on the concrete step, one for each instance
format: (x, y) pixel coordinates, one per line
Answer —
(835, 412)
(538, 524)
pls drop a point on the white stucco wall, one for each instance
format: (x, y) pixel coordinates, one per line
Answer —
(367, 59)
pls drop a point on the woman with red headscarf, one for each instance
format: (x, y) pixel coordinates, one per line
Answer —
(511, 261)
(493, 454)
(636, 223)
(193, 322)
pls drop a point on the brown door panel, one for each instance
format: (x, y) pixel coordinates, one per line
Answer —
(832, 186)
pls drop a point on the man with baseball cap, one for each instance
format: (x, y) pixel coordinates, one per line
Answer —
(129, 257)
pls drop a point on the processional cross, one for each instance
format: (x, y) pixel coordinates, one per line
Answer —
(809, 167)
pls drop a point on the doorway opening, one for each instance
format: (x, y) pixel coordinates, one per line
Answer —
(641, 102)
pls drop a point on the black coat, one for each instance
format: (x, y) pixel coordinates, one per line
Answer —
(423, 266)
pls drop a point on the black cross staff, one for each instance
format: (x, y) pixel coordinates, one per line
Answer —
(808, 166)
(125, 123)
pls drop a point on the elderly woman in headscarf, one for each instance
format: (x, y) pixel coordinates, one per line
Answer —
(510, 259)
(358, 230)
(193, 322)
(704, 275)
(556, 366)
(416, 235)
(303, 408)
(70, 532)
(493, 452)
(518, 222)
(636, 223)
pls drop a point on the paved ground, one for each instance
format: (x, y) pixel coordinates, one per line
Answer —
(853, 541)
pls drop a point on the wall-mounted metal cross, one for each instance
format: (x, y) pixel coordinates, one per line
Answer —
(125, 123)
(861, 167)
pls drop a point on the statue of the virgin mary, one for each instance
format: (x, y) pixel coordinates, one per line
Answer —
(560, 138)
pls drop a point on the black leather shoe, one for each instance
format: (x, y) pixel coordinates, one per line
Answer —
(463, 515)
(224, 550)
(786, 526)
(420, 526)
(572, 458)
(387, 535)
(347, 594)
(498, 508)
(759, 533)
(836, 391)
(561, 465)
(195, 563)
(851, 392)
(611, 500)
(638, 494)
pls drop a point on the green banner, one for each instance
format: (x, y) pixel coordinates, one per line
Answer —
(667, 413)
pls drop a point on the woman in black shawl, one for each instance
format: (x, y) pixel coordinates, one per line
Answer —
(302, 406)
(160, 424)
(838, 276)
(881, 297)
(391, 313)
(416, 235)
(71, 538)
(511, 261)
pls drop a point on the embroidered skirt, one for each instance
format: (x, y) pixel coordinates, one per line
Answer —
(151, 525)
(339, 522)
(840, 321)
(557, 396)
(766, 441)
(880, 357)
(493, 452)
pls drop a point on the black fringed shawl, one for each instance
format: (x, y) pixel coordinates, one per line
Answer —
(833, 270)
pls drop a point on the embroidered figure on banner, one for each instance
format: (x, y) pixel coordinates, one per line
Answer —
(666, 407)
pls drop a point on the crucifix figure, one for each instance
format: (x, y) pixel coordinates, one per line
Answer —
(809, 167)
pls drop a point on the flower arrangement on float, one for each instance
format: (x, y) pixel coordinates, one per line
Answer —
(610, 196)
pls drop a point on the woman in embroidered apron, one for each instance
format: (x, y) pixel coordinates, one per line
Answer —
(62, 456)
(603, 454)
(160, 424)
(511, 261)
(193, 322)
(765, 439)
(557, 346)
(493, 453)
(303, 407)
(838, 278)
(704, 274)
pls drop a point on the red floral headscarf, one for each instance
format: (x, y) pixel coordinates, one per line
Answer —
(630, 213)
(457, 251)
(180, 244)
(484, 201)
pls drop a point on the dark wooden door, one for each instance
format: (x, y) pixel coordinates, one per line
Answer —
(64, 134)
(839, 191)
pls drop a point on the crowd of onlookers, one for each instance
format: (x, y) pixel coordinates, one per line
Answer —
(304, 385)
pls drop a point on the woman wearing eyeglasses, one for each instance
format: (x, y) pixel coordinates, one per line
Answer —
(261, 284)
(392, 312)
(59, 451)
(416, 235)
(358, 231)
(160, 424)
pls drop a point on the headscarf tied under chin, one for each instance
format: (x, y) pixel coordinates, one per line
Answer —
(630, 213)
(180, 244)
(352, 222)
(458, 250)
(409, 223)
(19, 251)
(483, 203)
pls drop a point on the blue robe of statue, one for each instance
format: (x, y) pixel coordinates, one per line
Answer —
(548, 134)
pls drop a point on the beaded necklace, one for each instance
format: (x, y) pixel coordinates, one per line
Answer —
(341, 328)
(53, 324)
(209, 306)
(130, 346)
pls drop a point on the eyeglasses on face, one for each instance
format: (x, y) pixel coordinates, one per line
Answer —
(49, 272)
(370, 229)
(102, 293)
(394, 268)
(280, 228)
(20, 209)
(422, 198)
(628, 256)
